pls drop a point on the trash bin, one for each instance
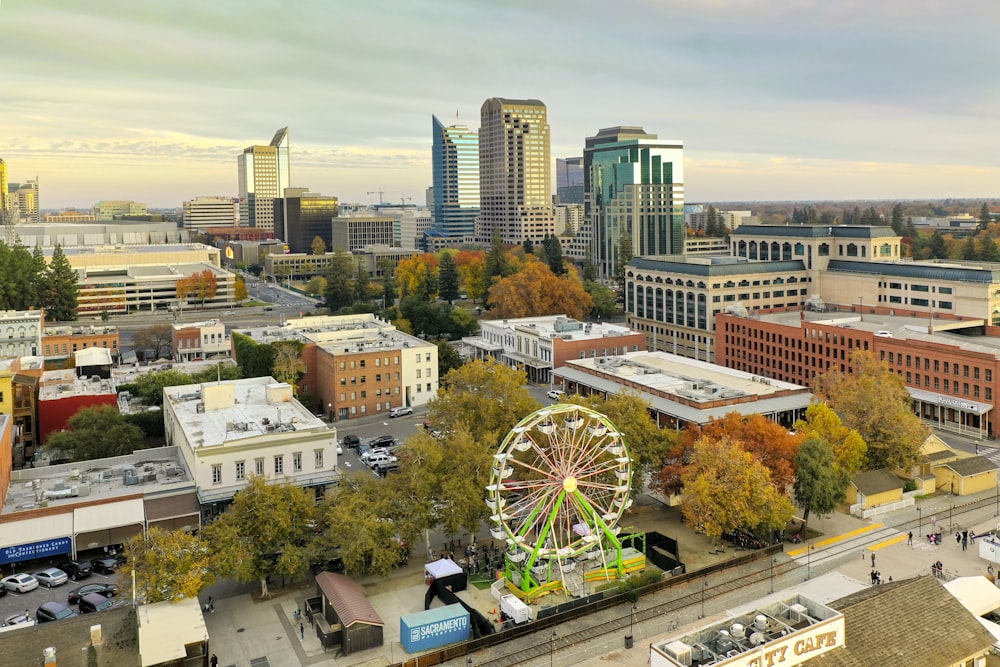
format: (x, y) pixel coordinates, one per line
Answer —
(628, 641)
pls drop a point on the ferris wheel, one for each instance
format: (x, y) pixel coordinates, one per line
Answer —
(560, 483)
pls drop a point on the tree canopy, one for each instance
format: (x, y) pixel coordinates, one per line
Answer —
(726, 488)
(535, 290)
(267, 530)
(820, 483)
(318, 246)
(169, 565)
(822, 423)
(155, 337)
(873, 400)
(201, 285)
(95, 433)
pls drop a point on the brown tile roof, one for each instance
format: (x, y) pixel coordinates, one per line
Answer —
(902, 623)
(939, 455)
(871, 482)
(347, 599)
(972, 465)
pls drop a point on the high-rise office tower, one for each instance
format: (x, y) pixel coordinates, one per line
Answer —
(27, 202)
(456, 179)
(569, 180)
(300, 216)
(264, 173)
(633, 188)
(203, 213)
(515, 174)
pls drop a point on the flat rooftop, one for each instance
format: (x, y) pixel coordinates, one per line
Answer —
(691, 379)
(565, 328)
(917, 329)
(157, 471)
(65, 384)
(353, 332)
(257, 410)
(129, 249)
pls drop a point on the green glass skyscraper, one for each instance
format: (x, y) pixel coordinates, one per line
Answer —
(456, 179)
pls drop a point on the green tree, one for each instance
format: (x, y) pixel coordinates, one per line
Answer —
(448, 277)
(95, 433)
(448, 358)
(988, 251)
(362, 285)
(288, 366)
(387, 280)
(623, 255)
(822, 423)
(490, 398)
(898, 224)
(603, 299)
(726, 489)
(820, 484)
(589, 268)
(340, 276)
(39, 268)
(169, 565)
(318, 246)
(529, 246)
(267, 530)
(61, 289)
(984, 216)
(496, 265)
(316, 286)
(873, 400)
(937, 246)
(149, 386)
(254, 360)
(647, 443)
(969, 251)
(554, 255)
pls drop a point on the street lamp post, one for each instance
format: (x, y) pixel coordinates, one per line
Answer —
(861, 307)
(809, 551)
(772, 574)
(552, 647)
(704, 586)
(920, 519)
(329, 411)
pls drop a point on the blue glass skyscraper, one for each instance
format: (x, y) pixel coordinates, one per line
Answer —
(456, 179)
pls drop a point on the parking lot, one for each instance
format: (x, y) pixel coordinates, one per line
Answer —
(16, 603)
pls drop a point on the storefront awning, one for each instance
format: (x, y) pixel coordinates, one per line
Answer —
(108, 515)
(36, 529)
(946, 401)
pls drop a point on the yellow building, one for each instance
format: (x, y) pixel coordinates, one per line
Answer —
(872, 488)
(967, 475)
(6, 392)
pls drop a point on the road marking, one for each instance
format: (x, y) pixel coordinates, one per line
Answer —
(835, 539)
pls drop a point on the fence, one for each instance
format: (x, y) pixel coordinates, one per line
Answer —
(870, 512)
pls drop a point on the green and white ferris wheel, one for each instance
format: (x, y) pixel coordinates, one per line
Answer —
(561, 481)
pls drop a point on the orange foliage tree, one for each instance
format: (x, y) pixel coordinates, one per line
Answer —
(202, 285)
(535, 291)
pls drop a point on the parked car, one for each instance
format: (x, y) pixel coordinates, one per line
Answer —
(383, 469)
(76, 569)
(94, 602)
(399, 412)
(53, 611)
(382, 441)
(107, 590)
(20, 583)
(3, 591)
(51, 577)
(555, 394)
(16, 619)
(381, 459)
(367, 455)
(351, 441)
(104, 565)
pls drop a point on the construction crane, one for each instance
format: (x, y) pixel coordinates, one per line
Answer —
(404, 199)
(381, 195)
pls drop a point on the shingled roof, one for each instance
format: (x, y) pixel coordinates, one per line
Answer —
(972, 465)
(871, 482)
(347, 599)
(874, 631)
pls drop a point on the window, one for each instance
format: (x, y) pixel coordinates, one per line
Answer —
(989, 375)
(418, 373)
(362, 363)
(216, 473)
(920, 302)
(297, 461)
(318, 454)
(241, 470)
(279, 464)
(258, 466)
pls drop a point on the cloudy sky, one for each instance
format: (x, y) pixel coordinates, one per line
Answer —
(774, 99)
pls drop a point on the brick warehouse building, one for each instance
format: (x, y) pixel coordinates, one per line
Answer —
(950, 367)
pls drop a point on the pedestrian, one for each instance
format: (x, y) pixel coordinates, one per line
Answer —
(958, 538)
(214, 661)
(27, 614)
(909, 538)
(873, 559)
(890, 578)
(972, 537)
(302, 631)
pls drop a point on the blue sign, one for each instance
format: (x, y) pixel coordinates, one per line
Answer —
(59, 545)
(434, 627)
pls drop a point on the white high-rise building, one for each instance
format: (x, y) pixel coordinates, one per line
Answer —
(207, 212)
(515, 172)
(264, 173)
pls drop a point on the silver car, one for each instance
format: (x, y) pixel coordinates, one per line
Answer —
(50, 577)
(20, 583)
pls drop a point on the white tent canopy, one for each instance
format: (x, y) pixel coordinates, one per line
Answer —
(977, 594)
(442, 568)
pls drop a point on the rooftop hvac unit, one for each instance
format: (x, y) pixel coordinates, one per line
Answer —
(83, 490)
(679, 651)
(760, 623)
(798, 613)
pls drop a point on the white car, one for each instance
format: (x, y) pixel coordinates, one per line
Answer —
(20, 583)
(381, 460)
(555, 394)
(399, 412)
(50, 577)
(375, 451)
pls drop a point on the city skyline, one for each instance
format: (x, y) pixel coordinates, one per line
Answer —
(817, 101)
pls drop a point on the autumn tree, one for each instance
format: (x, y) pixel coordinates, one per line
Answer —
(316, 286)
(726, 488)
(95, 433)
(448, 273)
(156, 337)
(822, 423)
(418, 276)
(202, 285)
(471, 265)
(288, 366)
(268, 529)
(239, 290)
(318, 246)
(535, 291)
(169, 565)
(820, 482)
(873, 400)
(487, 396)
(769, 442)
(366, 521)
